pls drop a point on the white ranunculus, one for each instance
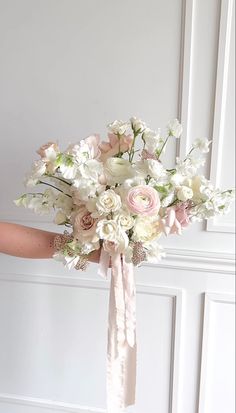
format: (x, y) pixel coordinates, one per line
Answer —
(107, 229)
(124, 220)
(117, 170)
(146, 228)
(184, 193)
(175, 128)
(107, 202)
(202, 144)
(152, 139)
(118, 127)
(137, 124)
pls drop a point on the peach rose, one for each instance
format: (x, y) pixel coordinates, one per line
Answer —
(111, 148)
(84, 225)
(143, 200)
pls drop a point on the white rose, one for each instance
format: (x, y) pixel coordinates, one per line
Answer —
(107, 202)
(184, 193)
(175, 128)
(117, 246)
(117, 170)
(202, 144)
(124, 220)
(146, 229)
(118, 127)
(107, 229)
(137, 124)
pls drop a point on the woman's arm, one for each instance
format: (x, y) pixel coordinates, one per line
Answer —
(27, 242)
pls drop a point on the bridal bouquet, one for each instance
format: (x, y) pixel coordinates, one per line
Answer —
(117, 196)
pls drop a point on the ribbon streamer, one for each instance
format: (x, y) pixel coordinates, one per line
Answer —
(121, 346)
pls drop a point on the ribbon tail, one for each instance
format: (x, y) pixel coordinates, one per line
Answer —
(121, 350)
(104, 263)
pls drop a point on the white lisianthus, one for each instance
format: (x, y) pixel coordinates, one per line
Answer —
(146, 228)
(124, 219)
(107, 229)
(175, 128)
(202, 144)
(107, 202)
(137, 124)
(118, 127)
(184, 193)
(117, 170)
(152, 140)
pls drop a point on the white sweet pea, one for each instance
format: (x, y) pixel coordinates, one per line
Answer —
(37, 171)
(68, 171)
(85, 188)
(184, 193)
(107, 202)
(185, 167)
(175, 128)
(153, 140)
(60, 218)
(137, 124)
(202, 144)
(80, 152)
(92, 169)
(118, 127)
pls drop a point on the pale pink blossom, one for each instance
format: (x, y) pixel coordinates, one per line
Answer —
(143, 200)
(175, 219)
(93, 142)
(48, 150)
(147, 155)
(108, 149)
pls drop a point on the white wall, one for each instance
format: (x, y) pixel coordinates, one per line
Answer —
(68, 67)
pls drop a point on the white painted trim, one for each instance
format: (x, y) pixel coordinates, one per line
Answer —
(174, 293)
(185, 81)
(47, 404)
(226, 17)
(209, 298)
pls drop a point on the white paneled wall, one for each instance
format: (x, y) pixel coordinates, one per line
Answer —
(68, 67)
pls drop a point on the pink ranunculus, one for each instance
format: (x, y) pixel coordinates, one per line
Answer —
(111, 148)
(93, 142)
(143, 200)
(84, 225)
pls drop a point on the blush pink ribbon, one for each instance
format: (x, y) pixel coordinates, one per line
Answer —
(121, 347)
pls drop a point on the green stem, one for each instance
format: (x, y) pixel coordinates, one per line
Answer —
(131, 153)
(164, 144)
(189, 153)
(59, 179)
(52, 186)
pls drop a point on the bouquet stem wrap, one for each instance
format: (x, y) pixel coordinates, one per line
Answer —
(121, 347)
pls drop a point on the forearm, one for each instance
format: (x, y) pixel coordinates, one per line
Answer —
(27, 242)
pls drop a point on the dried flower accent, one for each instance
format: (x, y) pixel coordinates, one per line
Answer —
(82, 264)
(139, 253)
(61, 240)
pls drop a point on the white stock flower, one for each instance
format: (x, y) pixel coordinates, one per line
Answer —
(146, 228)
(137, 124)
(175, 128)
(185, 167)
(117, 170)
(107, 202)
(202, 144)
(118, 127)
(184, 193)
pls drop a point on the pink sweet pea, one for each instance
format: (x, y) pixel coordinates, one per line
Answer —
(111, 148)
(175, 219)
(93, 142)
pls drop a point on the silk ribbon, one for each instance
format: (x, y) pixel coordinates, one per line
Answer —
(121, 346)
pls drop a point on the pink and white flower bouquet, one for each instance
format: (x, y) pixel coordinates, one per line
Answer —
(117, 196)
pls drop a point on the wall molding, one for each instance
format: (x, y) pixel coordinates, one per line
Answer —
(209, 299)
(226, 16)
(176, 336)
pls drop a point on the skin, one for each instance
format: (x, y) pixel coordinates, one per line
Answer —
(26, 242)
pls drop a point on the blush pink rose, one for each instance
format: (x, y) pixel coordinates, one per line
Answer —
(111, 148)
(84, 225)
(143, 200)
